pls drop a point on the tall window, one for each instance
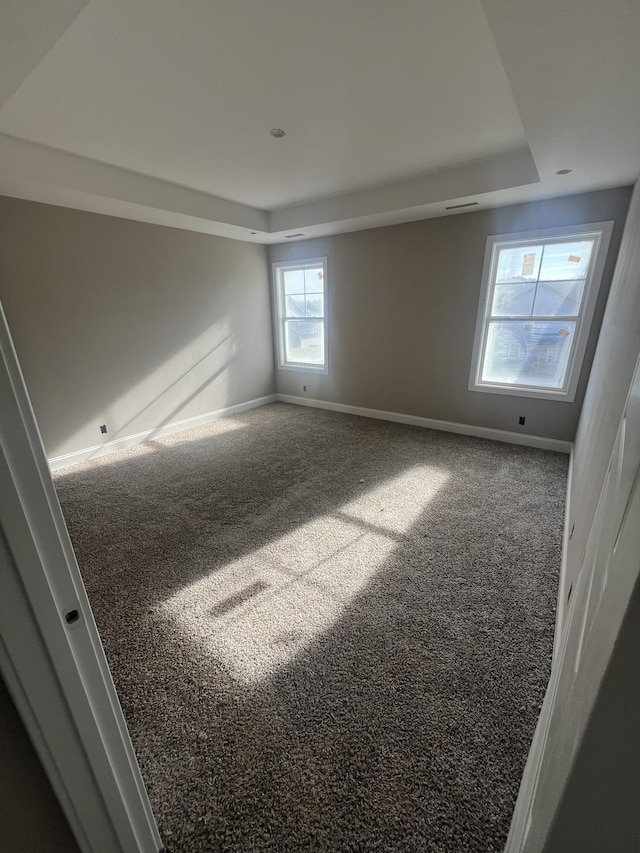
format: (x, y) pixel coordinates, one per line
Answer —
(538, 295)
(300, 296)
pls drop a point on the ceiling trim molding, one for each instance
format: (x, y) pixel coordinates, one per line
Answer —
(511, 169)
(42, 173)
(37, 172)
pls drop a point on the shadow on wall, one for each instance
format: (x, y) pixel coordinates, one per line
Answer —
(167, 392)
(212, 367)
(117, 321)
(326, 632)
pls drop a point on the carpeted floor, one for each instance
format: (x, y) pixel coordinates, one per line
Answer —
(327, 633)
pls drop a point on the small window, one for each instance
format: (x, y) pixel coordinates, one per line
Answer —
(300, 300)
(538, 295)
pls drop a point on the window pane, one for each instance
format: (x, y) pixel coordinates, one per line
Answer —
(293, 281)
(528, 353)
(315, 305)
(515, 300)
(558, 298)
(520, 263)
(304, 341)
(564, 261)
(314, 280)
(294, 306)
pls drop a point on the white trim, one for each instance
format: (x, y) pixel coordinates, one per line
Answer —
(97, 450)
(276, 268)
(521, 818)
(57, 672)
(428, 423)
(557, 770)
(21, 700)
(561, 607)
(601, 231)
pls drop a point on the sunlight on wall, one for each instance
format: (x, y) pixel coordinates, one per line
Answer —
(165, 394)
(258, 612)
(161, 441)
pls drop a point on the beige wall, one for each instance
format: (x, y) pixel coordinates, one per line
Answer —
(130, 324)
(403, 307)
(30, 816)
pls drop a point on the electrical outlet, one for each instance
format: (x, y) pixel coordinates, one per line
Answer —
(304, 387)
(521, 420)
(103, 428)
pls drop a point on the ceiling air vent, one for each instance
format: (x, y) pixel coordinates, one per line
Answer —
(458, 206)
(289, 236)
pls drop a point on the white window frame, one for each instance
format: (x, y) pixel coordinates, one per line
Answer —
(278, 269)
(600, 232)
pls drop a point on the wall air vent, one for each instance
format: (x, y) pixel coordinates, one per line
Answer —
(458, 206)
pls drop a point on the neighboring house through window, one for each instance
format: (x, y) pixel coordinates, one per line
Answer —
(300, 296)
(538, 294)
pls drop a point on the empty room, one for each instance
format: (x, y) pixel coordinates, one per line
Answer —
(319, 426)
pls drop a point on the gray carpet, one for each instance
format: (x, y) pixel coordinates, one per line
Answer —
(327, 633)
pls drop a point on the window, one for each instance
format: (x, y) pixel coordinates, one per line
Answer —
(300, 296)
(538, 294)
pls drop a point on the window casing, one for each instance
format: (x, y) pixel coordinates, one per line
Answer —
(538, 295)
(300, 309)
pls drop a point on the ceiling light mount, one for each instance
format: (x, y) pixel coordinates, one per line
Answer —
(277, 132)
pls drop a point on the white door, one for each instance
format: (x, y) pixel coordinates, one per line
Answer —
(600, 599)
(51, 656)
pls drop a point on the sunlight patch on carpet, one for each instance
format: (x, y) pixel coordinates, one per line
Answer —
(257, 613)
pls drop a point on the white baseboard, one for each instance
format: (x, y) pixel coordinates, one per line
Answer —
(521, 819)
(429, 423)
(140, 437)
(561, 608)
(415, 420)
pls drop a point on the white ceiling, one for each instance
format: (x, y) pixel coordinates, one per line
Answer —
(28, 30)
(394, 109)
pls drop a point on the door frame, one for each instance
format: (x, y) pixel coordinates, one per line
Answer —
(51, 656)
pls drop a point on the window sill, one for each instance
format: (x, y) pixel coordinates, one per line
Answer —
(522, 391)
(305, 368)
